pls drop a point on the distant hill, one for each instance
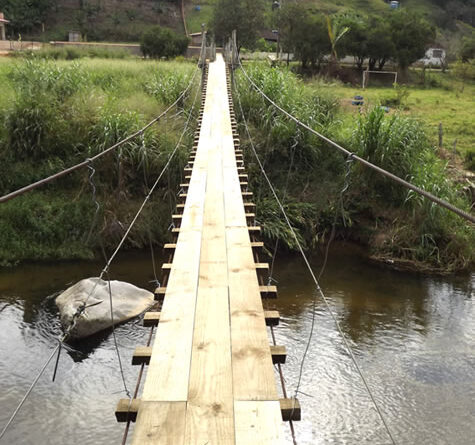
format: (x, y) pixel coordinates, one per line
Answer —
(126, 20)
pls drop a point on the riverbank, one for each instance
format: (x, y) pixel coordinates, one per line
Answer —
(321, 189)
(61, 112)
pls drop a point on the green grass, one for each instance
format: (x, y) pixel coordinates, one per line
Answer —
(194, 18)
(393, 222)
(60, 113)
(451, 103)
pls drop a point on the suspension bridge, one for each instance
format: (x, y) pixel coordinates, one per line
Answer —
(210, 377)
(211, 370)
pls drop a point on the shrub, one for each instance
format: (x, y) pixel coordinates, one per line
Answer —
(163, 42)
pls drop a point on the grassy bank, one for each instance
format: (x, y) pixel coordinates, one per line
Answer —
(61, 112)
(397, 225)
(440, 98)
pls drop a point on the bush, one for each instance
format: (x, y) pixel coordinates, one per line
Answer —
(163, 42)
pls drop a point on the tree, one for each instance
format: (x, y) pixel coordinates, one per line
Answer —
(336, 31)
(355, 41)
(410, 34)
(304, 34)
(25, 15)
(467, 50)
(245, 16)
(163, 42)
(380, 44)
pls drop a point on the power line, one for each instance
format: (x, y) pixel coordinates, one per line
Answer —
(463, 214)
(317, 285)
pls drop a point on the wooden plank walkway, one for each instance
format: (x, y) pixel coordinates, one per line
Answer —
(210, 379)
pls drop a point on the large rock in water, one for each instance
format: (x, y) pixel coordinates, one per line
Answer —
(128, 301)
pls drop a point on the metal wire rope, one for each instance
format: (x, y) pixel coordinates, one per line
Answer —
(318, 288)
(462, 213)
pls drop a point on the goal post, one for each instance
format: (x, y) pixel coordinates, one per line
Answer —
(366, 75)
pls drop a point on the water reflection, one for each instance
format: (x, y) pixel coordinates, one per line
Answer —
(414, 337)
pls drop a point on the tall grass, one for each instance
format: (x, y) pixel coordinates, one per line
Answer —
(62, 112)
(374, 207)
(423, 231)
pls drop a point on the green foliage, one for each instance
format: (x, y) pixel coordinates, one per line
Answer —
(429, 233)
(309, 175)
(467, 49)
(410, 34)
(26, 15)
(163, 42)
(304, 34)
(44, 226)
(393, 143)
(244, 16)
(73, 53)
(63, 112)
(265, 46)
(167, 86)
(35, 125)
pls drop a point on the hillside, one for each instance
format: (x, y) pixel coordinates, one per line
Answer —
(116, 20)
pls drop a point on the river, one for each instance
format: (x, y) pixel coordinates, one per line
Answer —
(413, 337)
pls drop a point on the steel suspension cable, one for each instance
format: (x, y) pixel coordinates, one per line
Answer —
(462, 213)
(317, 286)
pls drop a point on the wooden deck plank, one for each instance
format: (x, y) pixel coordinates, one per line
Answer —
(210, 409)
(253, 373)
(258, 423)
(160, 423)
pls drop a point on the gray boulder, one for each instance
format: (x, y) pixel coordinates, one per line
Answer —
(128, 302)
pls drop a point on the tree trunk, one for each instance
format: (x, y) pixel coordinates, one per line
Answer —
(371, 64)
(382, 62)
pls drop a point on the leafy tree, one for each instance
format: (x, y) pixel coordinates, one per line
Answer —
(304, 34)
(244, 16)
(410, 34)
(336, 31)
(467, 51)
(355, 41)
(380, 44)
(25, 15)
(163, 42)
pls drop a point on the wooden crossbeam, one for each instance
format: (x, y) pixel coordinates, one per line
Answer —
(143, 354)
(127, 410)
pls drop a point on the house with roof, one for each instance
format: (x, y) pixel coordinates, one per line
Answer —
(3, 22)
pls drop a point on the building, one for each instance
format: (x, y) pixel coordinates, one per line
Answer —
(3, 22)
(196, 38)
(434, 57)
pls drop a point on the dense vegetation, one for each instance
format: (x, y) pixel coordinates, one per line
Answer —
(163, 42)
(396, 224)
(58, 113)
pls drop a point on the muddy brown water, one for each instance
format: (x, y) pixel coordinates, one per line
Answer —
(413, 336)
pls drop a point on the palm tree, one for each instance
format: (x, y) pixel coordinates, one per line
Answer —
(335, 33)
